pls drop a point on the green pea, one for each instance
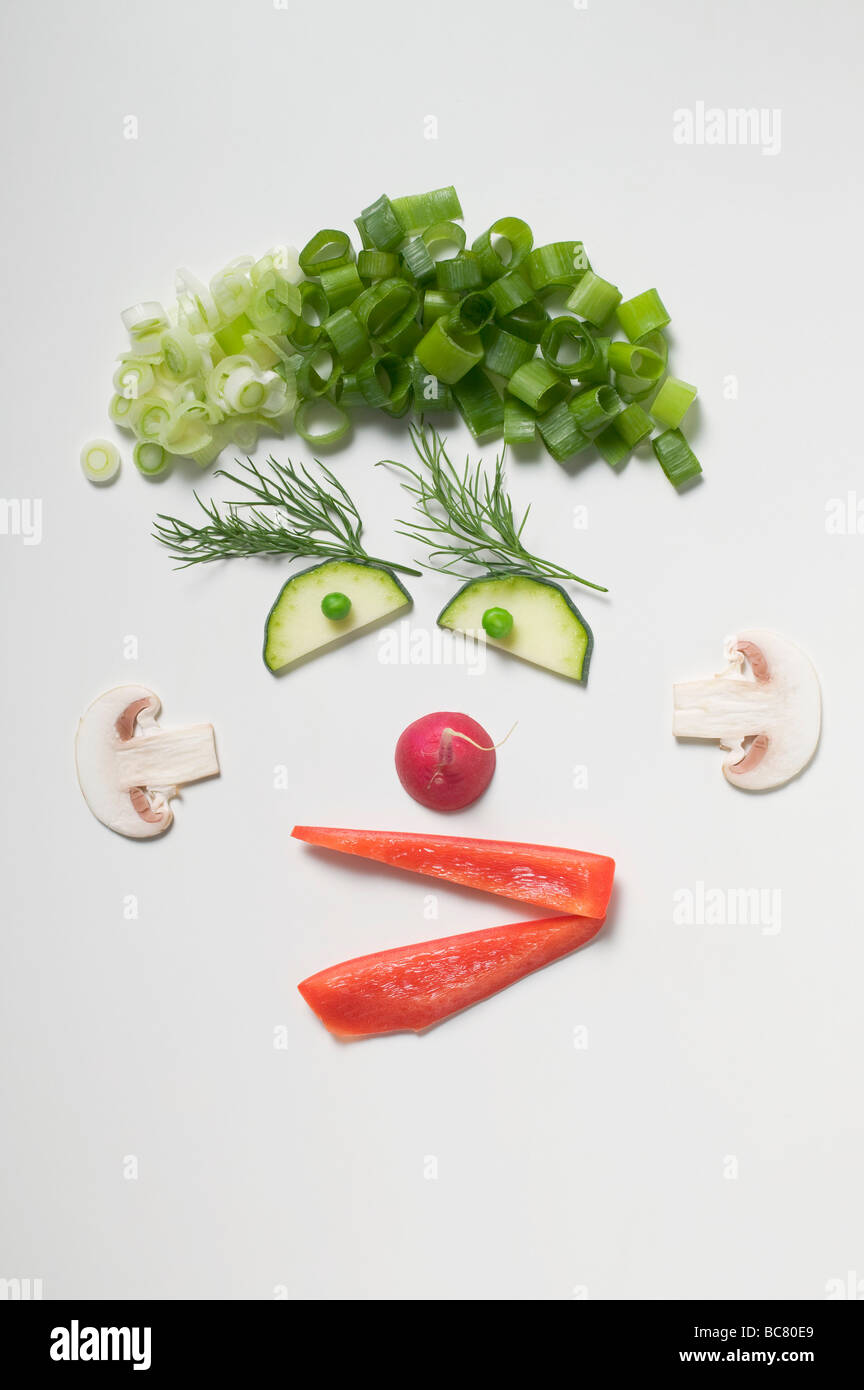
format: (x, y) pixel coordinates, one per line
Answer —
(336, 606)
(497, 622)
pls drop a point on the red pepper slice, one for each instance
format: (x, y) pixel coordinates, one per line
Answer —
(413, 987)
(564, 880)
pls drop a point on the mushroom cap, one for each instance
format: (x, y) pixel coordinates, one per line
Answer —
(794, 714)
(96, 745)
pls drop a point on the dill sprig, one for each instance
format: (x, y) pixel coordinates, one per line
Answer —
(469, 516)
(306, 519)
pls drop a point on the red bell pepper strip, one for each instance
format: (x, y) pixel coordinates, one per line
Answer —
(413, 987)
(564, 880)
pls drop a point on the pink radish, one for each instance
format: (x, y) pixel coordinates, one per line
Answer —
(445, 760)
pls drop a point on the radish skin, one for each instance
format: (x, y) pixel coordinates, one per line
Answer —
(445, 760)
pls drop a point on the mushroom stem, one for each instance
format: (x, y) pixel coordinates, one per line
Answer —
(168, 757)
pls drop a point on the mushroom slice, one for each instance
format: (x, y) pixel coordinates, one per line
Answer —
(765, 709)
(128, 767)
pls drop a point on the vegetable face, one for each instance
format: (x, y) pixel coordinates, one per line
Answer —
(769, 722)
(128, 767)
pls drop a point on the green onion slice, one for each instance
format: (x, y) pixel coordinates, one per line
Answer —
(611, 446)
(314, 309)
(528, 321)
(594, 408)
(341, 284)
(348, 337)
(631, 361)
(326, 250)
(438, 304)
(561, 433)
(504, 352)
(317, 374)
(150, 458)
(430, 394)
(672, 401)
(509, 233)
(381, 226)
(420, 210)
(100, 460)
(417, 260)
(447, 353)
(568, 346)
(632, 425)
(510, 292)
(336, 422)
(642, 315)
(460, 272)
(559, 263)
(441, 237)
(474, 312)
(675, 457)
(594, 298)
(480, 405)
(537, 384)
(520, 423)
(376, 265)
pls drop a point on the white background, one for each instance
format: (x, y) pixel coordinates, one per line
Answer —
(560, 1169)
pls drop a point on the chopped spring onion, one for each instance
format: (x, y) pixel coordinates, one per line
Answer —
(438, 303)
(133, 378)
(100, 460)
(348, 337)
(611, 447)
(150, 458)
(510, 292)
(448, 354)
(341, 285)
(460, 272)
(336, 422)
(441, 237)
(642, 315)
(568, 346)
(515, 235)
(520, 423)
(594, 408)
(376, 265)
(561, 433)
(381, 224)
(504, 351)
(420, 210)
(672, 401)
(479, 404)
(632, 425)
(416, 316)
(675, 457)
(594, 298)
(537, 384)
(327, 250)
(429, 392)
(628, 360)
(417, 260)
(560, 263)
(474, 312)
(528, 321)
